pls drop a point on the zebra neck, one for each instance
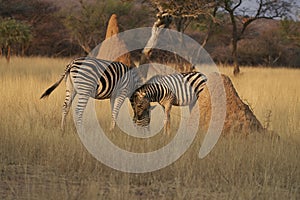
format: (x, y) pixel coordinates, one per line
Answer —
(154, 92)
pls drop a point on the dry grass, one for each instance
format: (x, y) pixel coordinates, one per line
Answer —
(37, 161)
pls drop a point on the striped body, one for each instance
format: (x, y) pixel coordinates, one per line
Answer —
(98, 79)
(174, 89)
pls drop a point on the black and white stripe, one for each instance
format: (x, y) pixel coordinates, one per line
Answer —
(174, 89)
(100, 79)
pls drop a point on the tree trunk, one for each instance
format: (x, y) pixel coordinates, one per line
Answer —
(235, 38)
(8, 54)
(23, 50)
(210, 28)
(163, 21)
(236, 67)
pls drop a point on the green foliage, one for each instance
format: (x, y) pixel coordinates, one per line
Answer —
(13, 32)
(50, 38)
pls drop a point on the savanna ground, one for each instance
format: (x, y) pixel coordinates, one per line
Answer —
(38, 161)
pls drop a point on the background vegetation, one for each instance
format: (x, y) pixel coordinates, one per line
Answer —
(75, 27)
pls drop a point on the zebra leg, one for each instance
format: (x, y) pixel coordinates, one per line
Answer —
(167, 119)
(66, 106)
(191, 106)
(70, 94)
(116, 102)
(82, 102)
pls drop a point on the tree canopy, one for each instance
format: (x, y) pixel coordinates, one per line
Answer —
(87, 24)
(13, 34)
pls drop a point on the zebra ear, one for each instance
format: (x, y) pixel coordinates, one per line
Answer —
(141, 94)
(152, 107)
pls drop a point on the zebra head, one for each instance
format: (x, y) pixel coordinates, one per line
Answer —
(141, 108)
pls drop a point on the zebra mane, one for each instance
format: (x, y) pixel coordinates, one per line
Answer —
(154, 79)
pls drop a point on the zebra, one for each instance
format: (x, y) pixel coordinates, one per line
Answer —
(180, 89)
(99, 79)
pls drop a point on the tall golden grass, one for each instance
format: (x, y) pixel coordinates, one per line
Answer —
(38, 161)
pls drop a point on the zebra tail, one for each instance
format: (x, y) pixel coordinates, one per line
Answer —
(50, 89)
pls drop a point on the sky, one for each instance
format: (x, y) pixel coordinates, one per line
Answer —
(249, 4)
(252, 5)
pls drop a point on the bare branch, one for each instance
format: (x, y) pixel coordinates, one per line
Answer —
(237, 5)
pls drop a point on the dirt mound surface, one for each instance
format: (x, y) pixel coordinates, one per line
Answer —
(239, 117)
(114, 49)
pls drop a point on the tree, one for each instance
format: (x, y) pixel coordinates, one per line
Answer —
(242, 17)
(12, 34)
(290, 31)
(87, 23)
(182, 13)
(50, 37)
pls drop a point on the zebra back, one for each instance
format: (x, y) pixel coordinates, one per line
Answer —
(185, 87)
(103, 76)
